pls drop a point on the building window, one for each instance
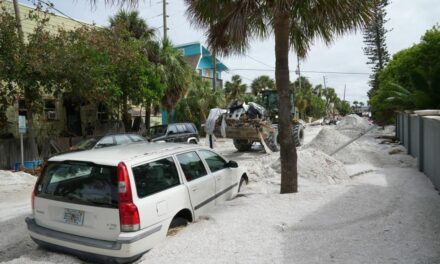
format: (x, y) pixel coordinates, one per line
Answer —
(182, 51)
(22, 110)
(200, 72)
(50, 111)
(102, 114)
(207, 73)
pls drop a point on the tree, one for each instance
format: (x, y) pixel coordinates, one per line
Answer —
(330, 98)
(343, 108)
(262, 83)
(129, 27)
(200, 99)
(235, 89)
(375, 41)
(129, 21)
(176, 75)
(9, 49)
(411, 80)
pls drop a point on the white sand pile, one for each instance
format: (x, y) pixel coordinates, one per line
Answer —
(353, 125)
(261, 167)
(328, 140)
(318, 167)
(8, 178)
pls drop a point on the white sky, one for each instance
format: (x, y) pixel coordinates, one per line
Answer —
(408, 20)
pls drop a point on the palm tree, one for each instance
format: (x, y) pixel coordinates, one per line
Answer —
(126, 25)
(231, 25)
(199, 100)
(130, 22)
(235, 90)
(176, 74)
(261, 83)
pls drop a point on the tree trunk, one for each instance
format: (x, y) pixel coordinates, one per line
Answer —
(125, 118)
(147, 115)
(18, 21)
(169, 116)
(288, 155)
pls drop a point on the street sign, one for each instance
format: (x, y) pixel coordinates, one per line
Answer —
(22, 124)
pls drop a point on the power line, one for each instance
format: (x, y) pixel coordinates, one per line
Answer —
(320, 72)
(52, 6)
(270, 66)
(152, 17)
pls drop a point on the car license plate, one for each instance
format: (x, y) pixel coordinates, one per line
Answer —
(72, 216)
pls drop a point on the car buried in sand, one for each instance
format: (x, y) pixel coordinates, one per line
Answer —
(114, 204)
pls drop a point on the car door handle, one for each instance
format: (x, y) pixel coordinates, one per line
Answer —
(218, 178)
(194, 189)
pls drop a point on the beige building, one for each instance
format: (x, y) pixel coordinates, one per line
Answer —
(59, 116)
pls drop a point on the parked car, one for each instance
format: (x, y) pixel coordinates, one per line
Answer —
(178, 132)
(106, 141)
(114, 204)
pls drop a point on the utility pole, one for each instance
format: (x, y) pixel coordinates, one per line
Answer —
(214, 66)
(18, 21)
(345, 88)
(164, 15)
(298, 71)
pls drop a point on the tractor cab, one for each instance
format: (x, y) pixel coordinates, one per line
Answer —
(270, 101)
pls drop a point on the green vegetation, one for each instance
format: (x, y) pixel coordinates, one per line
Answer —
(375, 43)
(411, 80)
(116, 66)
(235, 89)
(200, 99)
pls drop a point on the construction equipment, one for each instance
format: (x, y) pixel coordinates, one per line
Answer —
(250, 123)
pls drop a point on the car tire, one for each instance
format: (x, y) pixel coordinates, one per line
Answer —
(242, 184)
(178, 222)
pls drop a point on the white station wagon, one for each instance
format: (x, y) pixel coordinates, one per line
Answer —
(116, 203)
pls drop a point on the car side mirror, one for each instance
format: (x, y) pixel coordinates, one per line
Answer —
(232, 164)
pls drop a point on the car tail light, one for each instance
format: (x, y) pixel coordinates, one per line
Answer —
(128, 212)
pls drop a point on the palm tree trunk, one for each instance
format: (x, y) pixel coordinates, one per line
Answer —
(288, 155)
(125, 118)
(147, 114)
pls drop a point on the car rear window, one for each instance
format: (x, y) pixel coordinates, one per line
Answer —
(80, 182)
(190, 128)
(156, 176)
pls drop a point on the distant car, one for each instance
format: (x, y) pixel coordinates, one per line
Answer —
(111, 205)
(177, 132)
(106, 141)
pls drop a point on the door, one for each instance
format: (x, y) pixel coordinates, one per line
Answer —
(225, 179)
(79, 198)
(201, 184)
(73, 116)
(172, 133)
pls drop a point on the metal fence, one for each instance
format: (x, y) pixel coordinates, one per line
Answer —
(421, 137)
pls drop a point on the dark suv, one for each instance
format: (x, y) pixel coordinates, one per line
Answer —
(177, 132)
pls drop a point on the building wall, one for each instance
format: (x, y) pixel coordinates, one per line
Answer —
(54, 23)
(191, 50)
(41, 125)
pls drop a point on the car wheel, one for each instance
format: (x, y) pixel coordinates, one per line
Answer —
(176, 225)
(242, 185)
(192, 141)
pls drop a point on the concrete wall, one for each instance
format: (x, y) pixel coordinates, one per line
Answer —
(414, 132)
(431, 150)
(421, 137)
